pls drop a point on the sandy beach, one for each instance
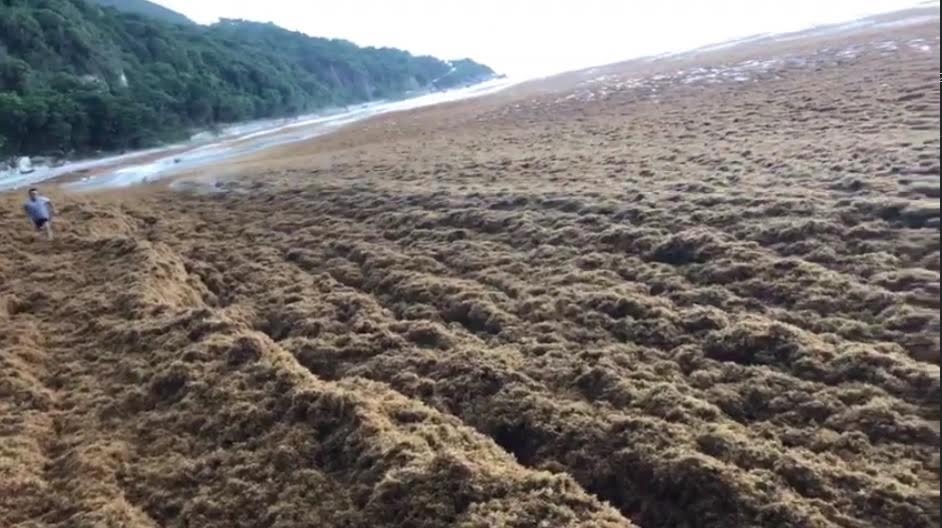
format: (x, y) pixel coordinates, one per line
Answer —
(694, 291)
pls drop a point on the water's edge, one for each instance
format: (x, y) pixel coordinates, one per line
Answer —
(235, 140)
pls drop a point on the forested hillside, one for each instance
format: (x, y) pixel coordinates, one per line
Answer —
(77, 78)
(143, 7)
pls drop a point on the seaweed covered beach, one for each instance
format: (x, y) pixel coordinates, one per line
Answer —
(696, 291)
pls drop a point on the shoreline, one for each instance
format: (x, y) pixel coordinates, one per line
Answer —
(754, 54)
(163, 167)
(158, 163)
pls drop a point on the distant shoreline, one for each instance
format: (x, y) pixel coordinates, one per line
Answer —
(173, 161)
(78, 169)
(82, 174)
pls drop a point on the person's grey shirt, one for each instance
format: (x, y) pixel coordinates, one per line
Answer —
(37, 209)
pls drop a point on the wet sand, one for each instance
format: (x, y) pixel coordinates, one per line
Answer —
(700, 291)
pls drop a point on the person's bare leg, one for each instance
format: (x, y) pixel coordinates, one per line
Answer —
(48, 229)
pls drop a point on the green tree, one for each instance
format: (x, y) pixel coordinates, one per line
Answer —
(76, 77)
(13, 120)
(14, 75)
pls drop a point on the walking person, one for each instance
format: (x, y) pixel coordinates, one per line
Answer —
(40, 211)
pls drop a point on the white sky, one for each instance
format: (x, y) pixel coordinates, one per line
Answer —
(536, 37)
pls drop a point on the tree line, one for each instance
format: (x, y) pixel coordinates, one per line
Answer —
(77, 78)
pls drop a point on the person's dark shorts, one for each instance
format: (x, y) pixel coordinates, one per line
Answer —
(40, 223)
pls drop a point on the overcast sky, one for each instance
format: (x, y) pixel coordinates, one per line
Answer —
(536, 37)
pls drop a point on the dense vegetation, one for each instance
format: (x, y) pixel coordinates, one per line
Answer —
(143, 7)
(79, 78)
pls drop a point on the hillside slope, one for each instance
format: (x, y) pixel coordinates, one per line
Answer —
(77, 78)
(145, 8)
